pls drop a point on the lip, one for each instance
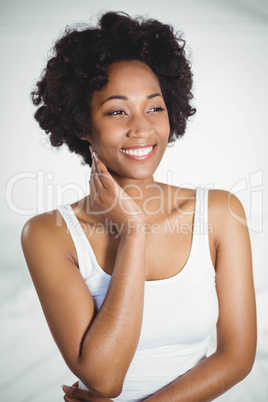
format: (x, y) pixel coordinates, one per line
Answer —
(141, 157)
(139, 146)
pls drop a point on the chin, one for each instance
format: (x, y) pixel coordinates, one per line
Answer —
(135, 174)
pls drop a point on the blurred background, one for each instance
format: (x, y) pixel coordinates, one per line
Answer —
(225, 147)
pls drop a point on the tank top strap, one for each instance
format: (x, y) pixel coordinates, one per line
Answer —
(77, 233)
(201, 213)
(71, 220)
(202, 228)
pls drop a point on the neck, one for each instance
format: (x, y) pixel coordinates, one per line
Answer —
(134, 187)
(147, 193)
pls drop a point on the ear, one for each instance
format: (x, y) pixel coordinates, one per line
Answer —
(86, 137)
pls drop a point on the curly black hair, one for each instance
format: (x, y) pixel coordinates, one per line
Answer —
(79, 66)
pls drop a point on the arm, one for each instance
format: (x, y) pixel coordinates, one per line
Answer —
(110, 344)
(75, 394)
(236, 328)
(98, 348)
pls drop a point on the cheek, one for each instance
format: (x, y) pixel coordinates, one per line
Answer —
(105, 143)
(101, 137)
(108, 130)
(163, 121)
(164, 128)
(167, 123)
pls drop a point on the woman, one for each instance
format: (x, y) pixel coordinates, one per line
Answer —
(134, 277)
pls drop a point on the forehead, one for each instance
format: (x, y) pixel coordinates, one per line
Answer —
(131, 79)
(131, 76)
(130, 67)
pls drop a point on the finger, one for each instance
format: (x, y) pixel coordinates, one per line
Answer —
(95, 178)
(75, 393)
(93, 183)
(75, 384)
(97, 183)
(67, 399)
(92, 164)
(103, 174)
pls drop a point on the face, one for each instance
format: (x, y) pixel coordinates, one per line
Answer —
(130, 125)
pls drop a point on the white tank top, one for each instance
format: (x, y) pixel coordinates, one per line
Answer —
(180, 313)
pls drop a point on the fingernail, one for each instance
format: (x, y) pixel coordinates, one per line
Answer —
(91, 149)
(95, 155)
(65, 388)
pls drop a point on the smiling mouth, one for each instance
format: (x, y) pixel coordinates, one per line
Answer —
(138, 151)
(138, 154)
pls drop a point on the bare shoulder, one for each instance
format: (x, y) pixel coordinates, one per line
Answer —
(225, 203)
(225, 213)
(40, 223)
(48, 228)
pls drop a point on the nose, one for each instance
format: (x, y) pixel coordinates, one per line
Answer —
(140, 127)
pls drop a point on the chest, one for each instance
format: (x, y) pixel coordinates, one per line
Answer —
(168, 247)
(182, 309)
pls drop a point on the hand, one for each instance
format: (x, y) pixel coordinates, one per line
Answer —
(110, 201)
(75, 394)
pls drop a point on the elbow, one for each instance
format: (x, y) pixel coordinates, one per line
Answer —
(101, 382)
(109, 392)
(103, 389)
(103, 379)
(247, 367)
(247, 359)
(238, 363)
(240, 372)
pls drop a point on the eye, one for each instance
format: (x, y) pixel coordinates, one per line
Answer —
(156, 109)
(116, 113)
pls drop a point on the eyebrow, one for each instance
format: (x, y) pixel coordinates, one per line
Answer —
(126, 99)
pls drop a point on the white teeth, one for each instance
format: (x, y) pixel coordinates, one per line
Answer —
(137, 152)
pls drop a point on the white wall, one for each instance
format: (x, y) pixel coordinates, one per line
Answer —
(225, 145)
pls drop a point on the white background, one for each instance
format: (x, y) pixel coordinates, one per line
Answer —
(225, 147)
